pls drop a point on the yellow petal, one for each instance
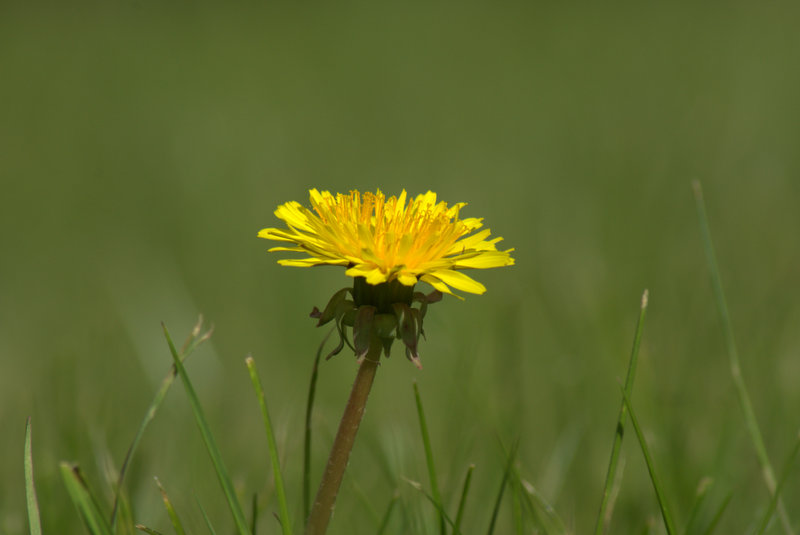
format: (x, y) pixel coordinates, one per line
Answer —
(469, 242)
(436, 283)
(372, 274)
(459, 281)
(485, 260)
(406, 278)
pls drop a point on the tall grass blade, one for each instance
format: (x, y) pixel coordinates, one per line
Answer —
(718, 515)
(312, 390)
(367, 507)
(388, 514)
(516, 504)
(84, 500)
(700, 497)
(173, 516)
(506, 474)
(733, 354)
(194, 340)
(544, 514)
(34, 520)
(125, 523)
(615, 449)
(648, 459)
(149, 531)
(426, 441)
(207, 520)
(463, 500)
(208, 439)
(280, 491)
(436, 504)
(254, 513)
(784, 475)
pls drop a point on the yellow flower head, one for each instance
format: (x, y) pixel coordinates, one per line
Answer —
(384, 239)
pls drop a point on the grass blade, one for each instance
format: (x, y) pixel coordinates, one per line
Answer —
(775, 497)
(506, 474)
(387, 515)
(700, 497)
(34, 520)
(194, 339)
(207, 520)
(436, 504)
(714, 521)
(463, 500)
(208, 439)
(173, 516)
(283, 508)
(254, 513)
(733, 354)
(426, 441)
(149, 531)
(83, 499)
(312, 389)
(551, 523)
(648, 459)
(516, 504)
(615, 449)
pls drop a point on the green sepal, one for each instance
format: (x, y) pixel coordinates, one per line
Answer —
(335, 307)
(426, 299)
(407, 330)
(385, 325)
(338, 349)
(362, 329)
(385, 328)
(387, 346)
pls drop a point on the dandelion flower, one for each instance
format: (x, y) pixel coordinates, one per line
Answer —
(385, 240)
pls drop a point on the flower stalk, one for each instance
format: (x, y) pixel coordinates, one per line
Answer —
(325, 500)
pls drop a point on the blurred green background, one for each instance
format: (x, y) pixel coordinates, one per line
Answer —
(143, 147)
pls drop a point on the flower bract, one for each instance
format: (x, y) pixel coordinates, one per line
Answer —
(385, 239)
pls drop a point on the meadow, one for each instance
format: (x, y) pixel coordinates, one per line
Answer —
(143, 147)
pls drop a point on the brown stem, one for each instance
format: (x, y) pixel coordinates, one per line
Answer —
(343, 443)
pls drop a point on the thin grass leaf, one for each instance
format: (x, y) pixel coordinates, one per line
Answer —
(426, 441)
(437, 505)
(149, 531)
(733, 354)
(207, 520)
(718, 515)
(506, 474)
(544, 514)
(125, 523)
(516, 506)
(615, 490)
(208, 439)
(700, 497)
(254, 513)
(280, 491)
(602, 520)
(34, 520)
(194, 340)
(83, 499)
(775, 497)
(173, 516)
(366, 501)
(648, 459)
(312, 389)
(463, 500)
(387, 515)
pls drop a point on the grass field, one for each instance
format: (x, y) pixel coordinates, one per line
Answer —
(143, 147)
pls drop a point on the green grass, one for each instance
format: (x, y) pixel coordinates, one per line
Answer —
(144, 146)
